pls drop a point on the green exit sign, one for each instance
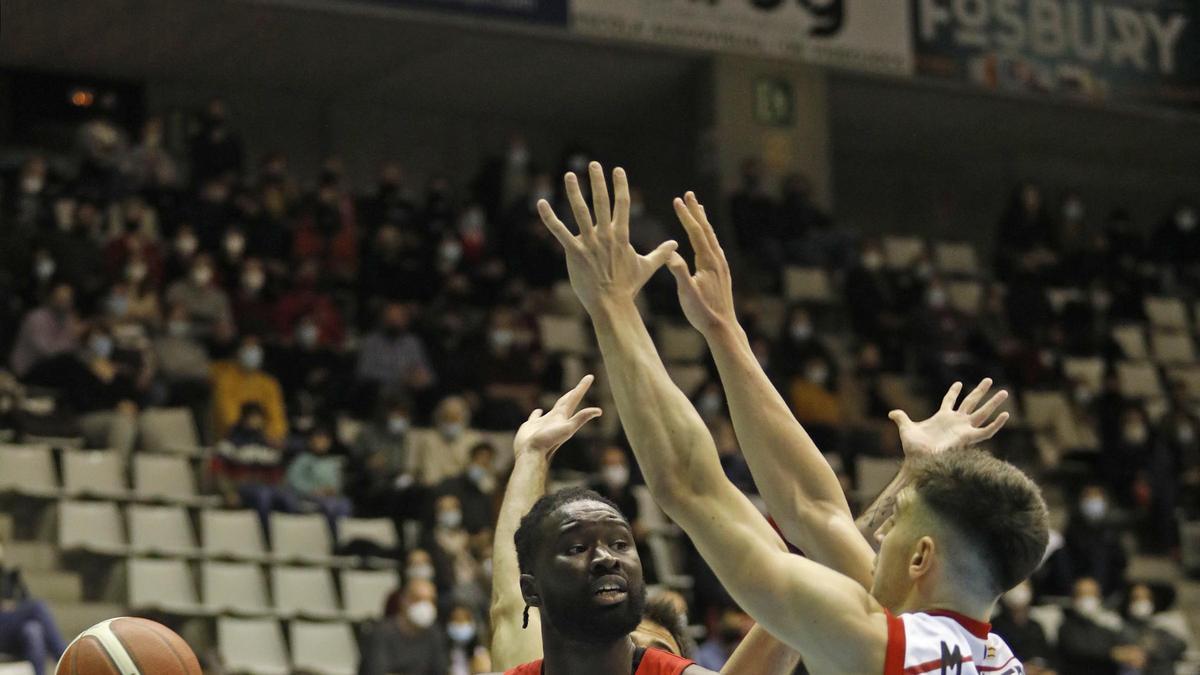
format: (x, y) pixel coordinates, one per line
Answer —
(774, 102)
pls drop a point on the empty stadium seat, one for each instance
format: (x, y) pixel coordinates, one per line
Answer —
(679, 342)
(1060, 297)
(965, 296)
(160, 530)
(324, 648)
(94, 527)
(252, 646)
(364, 592)
(232, 534)
(304, 591)
(955, 258)
(1139, 379)
(301, 537)
(99, 473)
(234, 587)
(166, 478)
(162, 585)
(1131, 338)
(564, 335)
(171, 430)
(1086, 371)
(1173, 347)
(807, 284)
(1169, 313)
(378, 531)
(901, 253)
(28, 470)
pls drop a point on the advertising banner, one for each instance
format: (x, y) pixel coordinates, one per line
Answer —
(1119, 50)
(545, 12)
(863, 35)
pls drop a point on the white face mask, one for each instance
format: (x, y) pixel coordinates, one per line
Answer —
(420, 572)
(936, 298)
(817, 375)
(253, 280)
(186, 245)
(308, 334)
(202, 275)
(1093, 508)
(44, 268)
(177, 328)
(101, 346)
(397, 425)
(615, 476)
(422, 614)
(251, 357)
(451, 430)
(1088, 604)
(461, 632)
(450, 519)
(873, 261)
(1141, 609)
(1186, 220)
(235, 244)
(136, 271)
(1185, 434)
(1136, 434)
(802, 331)
(1019, 597)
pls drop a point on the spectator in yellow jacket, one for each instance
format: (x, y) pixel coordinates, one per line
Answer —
(241, 381)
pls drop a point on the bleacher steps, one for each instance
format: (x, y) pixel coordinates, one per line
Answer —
(31, 556)
(53, 586)
(75, 617)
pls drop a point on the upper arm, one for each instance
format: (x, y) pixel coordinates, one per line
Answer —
(827, 617)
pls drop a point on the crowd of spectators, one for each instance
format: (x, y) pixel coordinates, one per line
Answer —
(273, 308)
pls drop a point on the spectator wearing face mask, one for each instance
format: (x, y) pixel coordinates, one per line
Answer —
(752, 211)
(47, 331)
(408, 639)
(798, 344)
(1092, 639)
(27, 628)
(100, 386)
(215, 149)
(1093, 540)
(181, 254)
(450, 547)
(1173, 466)
(206, 303)
(418, 565)
(613, 481)
(468, 654)
(315, 477)
(1176, 240)
(312, 371)
(248, 469)
(506, 371)
(184, 367)
(242, 380)
(1127, 454)
(136, 241)
(393, 357)
(1163, 647)
(443, 452)
(381, 467)
(308, 300)
(252, 301)
(1024, 635)
(475, 489)
(814, 403)
(73, 247)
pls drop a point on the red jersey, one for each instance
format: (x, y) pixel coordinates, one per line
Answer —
(653, 662)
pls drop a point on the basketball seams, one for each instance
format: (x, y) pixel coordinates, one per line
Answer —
(162, 638)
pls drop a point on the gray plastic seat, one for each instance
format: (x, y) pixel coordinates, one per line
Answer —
(252, 646)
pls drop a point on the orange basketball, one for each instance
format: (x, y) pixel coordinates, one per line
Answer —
(128, 646)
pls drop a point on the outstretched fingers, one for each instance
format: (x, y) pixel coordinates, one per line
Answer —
(583, 417)
(570, 400)
(976, 395)
(583, 217)
(602, 207)
(990, 430)
(701, 216)
(552, 223)
(694, 231)
(951, 396)
(621, 205)
(985, 411)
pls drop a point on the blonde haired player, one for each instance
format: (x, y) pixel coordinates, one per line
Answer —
(965, 527)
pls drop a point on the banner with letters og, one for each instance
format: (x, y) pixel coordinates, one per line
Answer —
(1145, 51)
(862, 35)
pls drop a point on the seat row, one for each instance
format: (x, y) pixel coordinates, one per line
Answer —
(29, 470)
(242, 588)
(257, 646)
(98, 527)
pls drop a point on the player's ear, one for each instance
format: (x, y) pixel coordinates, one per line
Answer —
(921, 561)
(529, 591)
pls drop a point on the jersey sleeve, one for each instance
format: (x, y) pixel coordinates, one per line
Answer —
(893, 662)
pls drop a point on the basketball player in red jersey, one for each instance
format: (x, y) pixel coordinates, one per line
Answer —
(578, 566)
(965, 527)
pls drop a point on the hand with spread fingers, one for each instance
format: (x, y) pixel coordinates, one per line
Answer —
(953, 428)
(543, 434)
(706, 295)
(602, 264)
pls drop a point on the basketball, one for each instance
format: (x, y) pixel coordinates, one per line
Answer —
(128, 646)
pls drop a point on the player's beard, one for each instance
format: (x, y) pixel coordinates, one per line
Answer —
(580, 620)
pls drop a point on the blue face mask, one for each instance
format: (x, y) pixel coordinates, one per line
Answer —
(101, 346)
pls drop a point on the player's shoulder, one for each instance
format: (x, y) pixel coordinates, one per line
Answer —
(941, 637)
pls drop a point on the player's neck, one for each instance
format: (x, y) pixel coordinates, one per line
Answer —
(569, 657)
(939, 599)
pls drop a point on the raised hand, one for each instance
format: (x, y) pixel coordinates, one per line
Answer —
(707, 295)
(951, 428)
(601, 262)
(542, 435)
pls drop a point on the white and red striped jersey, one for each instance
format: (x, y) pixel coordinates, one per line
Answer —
(945, 643)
